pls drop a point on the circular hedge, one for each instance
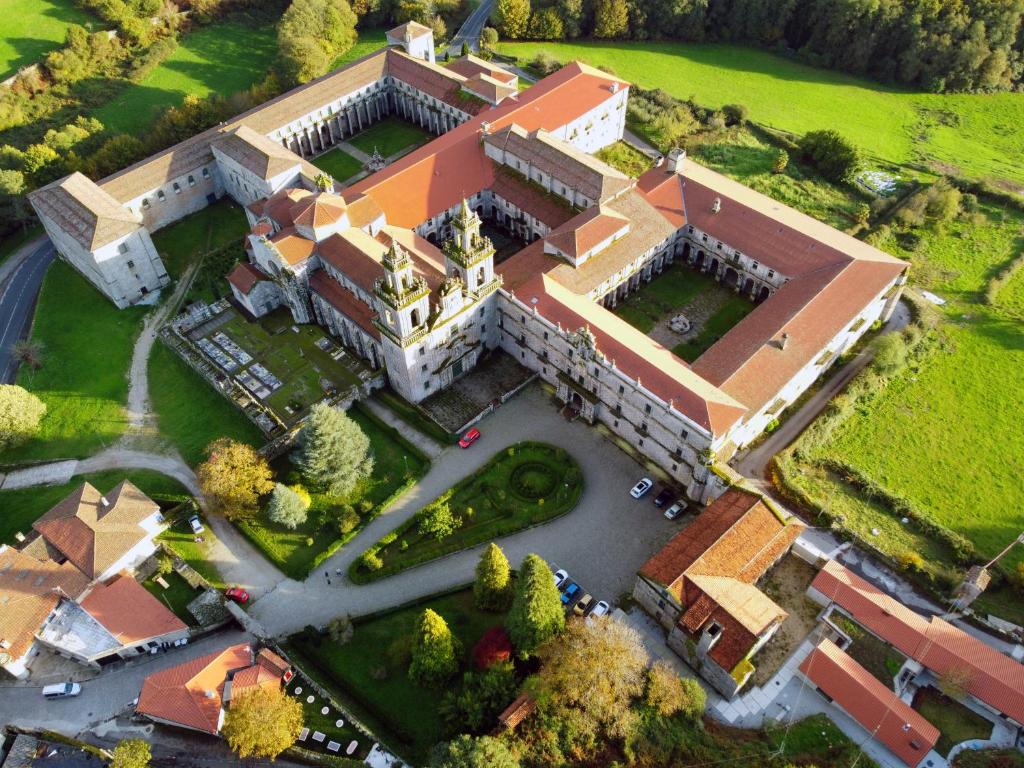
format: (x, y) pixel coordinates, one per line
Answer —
(533, 480)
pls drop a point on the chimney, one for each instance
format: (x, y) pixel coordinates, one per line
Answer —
(19, 537)
(614, 87)
(676, 157)
(485, 128)
(717, 205)
(104, 502)
(784, 341)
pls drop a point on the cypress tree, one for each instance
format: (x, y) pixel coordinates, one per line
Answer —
(536, 612)
(434, 652)
(492, 589)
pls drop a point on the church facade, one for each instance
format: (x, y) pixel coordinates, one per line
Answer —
(396, 265)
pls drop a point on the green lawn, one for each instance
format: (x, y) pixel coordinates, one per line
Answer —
(225, 57)
(815, 740)
(184, 241)
(370, 40)
(989, 758)
(314, 719)
(956, 723)
(877, 657)
(975, 133)
(389, 136)
(372, 668)
(87, 345)
(177, 596)
(715, 327)
(526, 484)
(33, 28)
(396, 463)
(339, 164)
(184, 544)
(673, 289)
(178, 394)
(625, 158)
(24, 506)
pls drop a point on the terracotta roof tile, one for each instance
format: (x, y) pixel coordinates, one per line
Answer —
(293, 247)
(517, 711)
(513, 188)
(319, 209)
(580, 235)
(130, 613)
(94, 531)
(470, 65)
(878, 709)
(245, 276)
(344, 301)
(256, 153)
(411, 28)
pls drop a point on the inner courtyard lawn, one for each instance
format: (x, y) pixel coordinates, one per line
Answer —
(663, 297)
(184, 241)
(371, 670)
(87, 348)
(732, 310)
(389, 137)
(23, 506)
(973, 133)
(956, 723)
(523, 485)
(339, 164)
(33, 28)
(178, 394)
(396, 464)
(225, 57)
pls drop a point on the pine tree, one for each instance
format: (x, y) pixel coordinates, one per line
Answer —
(434, 653)
(334, 453)
(492, 589)
(536, 612)
(287, 507)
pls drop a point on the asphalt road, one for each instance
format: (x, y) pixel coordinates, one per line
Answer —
(470, 30)
(17, 298)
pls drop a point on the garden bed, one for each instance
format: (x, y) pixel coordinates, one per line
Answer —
(524, 485)
(397, 465)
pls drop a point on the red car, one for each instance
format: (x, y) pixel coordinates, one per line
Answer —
(469, 438)
(237, 594)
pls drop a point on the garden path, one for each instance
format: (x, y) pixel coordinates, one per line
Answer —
(426, 444)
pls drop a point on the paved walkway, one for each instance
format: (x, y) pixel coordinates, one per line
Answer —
(426, 444)
(602, 542)
(20, 279)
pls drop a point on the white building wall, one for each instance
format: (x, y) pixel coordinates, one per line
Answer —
(178, 197)
(599, 127)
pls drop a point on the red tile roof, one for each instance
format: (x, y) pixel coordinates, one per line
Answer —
(880, 711)
(344, 301)
(470, 65)
(586, 231)
(129, 612)
(293, 247)
(245, 275)
(513, 188)
(993, 678)
(412, 28)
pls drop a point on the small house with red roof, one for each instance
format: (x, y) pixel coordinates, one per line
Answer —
(702, 586)
(195, 695)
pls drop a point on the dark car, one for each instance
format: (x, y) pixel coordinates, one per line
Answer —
(665, 496)
(570, 593)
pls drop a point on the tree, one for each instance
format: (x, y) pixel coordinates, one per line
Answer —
(611, 19)
(596, 669)
(438, 520)
(287, 507)
(780, 162)
(434, 652)
(669, 694)
(469, 752)
(131, 753)
(475, 705)
(311, 35)
(546, 24)
(571, 14)
(164, 565)
(492, 590)
(439, 28)
(512, 17)
(348, 519)
(20, 414)
(536, 614)
(233, 477)
(334, 453)
(493, 647)
(29, 352)
(954, 681)
(262, 722)
(465, 48)
(341, 629)
(488, 38)
(735, 114)
(836, 158)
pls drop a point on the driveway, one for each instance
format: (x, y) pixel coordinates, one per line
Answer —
(19, 286)
(602, 542)
(470, 30)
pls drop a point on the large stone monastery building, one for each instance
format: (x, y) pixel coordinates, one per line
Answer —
(396, 266)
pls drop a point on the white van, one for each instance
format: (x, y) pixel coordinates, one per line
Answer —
(61, 690)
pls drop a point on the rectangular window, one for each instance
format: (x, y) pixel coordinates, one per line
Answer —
(771, 273)
(426, 385)
(522, 318)
(647, 408)
(684, 434)
(545, 335)
(622, 389)
(423, 368)
(191, 181)
(145, 202)
(122, 248)
(483, 328)
(481, 311)
(177, 188)
(206, 173)
(423, 351)
(160, 195)
(753, 267)
(131, 264)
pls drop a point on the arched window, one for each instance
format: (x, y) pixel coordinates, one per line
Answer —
(415, 317)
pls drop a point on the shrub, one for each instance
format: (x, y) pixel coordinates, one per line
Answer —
(780, 162)
(371, 561)
(735, 114)
(493, 647)
(341, 629)
(347, 519)
(910, 561)
(836, 158)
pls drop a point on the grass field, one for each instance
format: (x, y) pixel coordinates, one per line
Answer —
(395, 463)
(370, 40)
(183, 543)
(389, 136)
(177, 596)
(625, 158)
(225, 58)
(734, 309)
(956, 723)
(23, 506)
(87, 345)
(354, 668)
(339, 164)
(178, 394)
(33, 28)
(184, 241)
(976, 134)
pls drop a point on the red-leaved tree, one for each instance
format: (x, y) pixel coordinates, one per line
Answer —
(493, 647)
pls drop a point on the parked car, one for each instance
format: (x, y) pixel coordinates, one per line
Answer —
(641, 488)
(583, 605)
(469, 438)
(61, 690)
(237, 594)
(561, 578)
(675, 510)
(196, 524)
(665, 496)
(570, 592)
(601, 608)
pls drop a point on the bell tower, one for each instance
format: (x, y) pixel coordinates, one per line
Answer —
(404, 296)
(469, 255)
